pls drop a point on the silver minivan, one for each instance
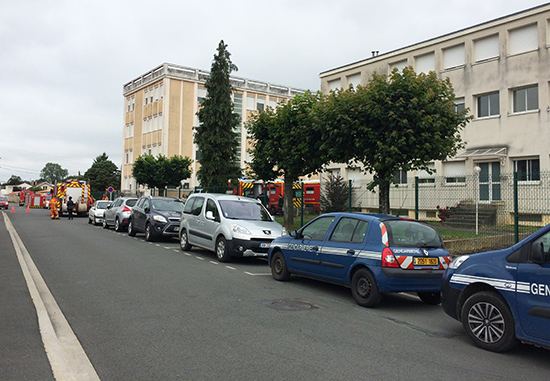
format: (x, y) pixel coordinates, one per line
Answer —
(230, 226)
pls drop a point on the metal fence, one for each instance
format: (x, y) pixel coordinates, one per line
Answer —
(472, 213)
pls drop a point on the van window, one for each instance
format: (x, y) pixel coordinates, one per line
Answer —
(211, 207)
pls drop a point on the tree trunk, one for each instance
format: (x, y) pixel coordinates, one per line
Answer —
(384, 197)
(288, 207)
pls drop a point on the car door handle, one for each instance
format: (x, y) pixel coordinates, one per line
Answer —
(315, 248)
(351, 252)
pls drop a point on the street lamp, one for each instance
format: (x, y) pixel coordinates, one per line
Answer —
(477, 170)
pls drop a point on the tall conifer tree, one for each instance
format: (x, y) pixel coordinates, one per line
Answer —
(215, 136)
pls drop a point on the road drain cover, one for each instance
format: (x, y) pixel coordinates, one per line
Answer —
(290, 305)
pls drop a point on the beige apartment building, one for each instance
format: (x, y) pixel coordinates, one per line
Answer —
(500, 70)
(160, 109)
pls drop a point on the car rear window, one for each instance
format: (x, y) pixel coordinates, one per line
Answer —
(131, 202)
(408, 233)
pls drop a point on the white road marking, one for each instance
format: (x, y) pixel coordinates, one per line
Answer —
(230, 268)
(252, 274)
(65, 353)
(201, 258)
(215, 263)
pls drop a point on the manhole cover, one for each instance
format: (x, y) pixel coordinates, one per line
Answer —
(290, 305)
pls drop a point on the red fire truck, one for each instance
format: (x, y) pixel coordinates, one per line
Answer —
(312, 195)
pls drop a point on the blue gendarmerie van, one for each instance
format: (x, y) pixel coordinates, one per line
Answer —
(502, 296)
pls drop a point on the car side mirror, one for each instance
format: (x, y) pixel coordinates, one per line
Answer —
(209, 215)
(147, 210)
(295, 234)
(537, 254)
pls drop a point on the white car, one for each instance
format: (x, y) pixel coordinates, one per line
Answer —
(97, 211)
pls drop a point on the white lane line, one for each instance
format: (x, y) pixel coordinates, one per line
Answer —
(230, 268)
(215, 263)
(67, 357)
(201, 258)
(252, 274)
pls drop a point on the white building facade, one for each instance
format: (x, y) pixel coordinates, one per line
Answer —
(500, 70)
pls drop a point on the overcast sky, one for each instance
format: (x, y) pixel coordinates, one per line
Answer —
(63, 62)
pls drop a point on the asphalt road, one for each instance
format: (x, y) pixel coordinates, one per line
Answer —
(145, 311)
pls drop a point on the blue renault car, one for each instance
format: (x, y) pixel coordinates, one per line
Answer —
(502, 296)
(372, 254)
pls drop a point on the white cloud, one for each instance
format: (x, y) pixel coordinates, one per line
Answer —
(64, 62)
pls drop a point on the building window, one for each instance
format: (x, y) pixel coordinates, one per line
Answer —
(454, 57)
(399, 65)
(425, 63)
(424, 177)
(251, 103)
(527, 170)
(201, 94)
(400, 177)
(146, 97)
(523, 39)
(260, 104)
(526, 99)
(354, 80)
(335, 84)
(488, 105)
(455, 172)
(486, 48)
(459, 104)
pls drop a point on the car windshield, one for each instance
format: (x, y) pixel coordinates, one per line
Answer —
(168, 205)
(239, 210)
(103, 204)
(131, 202)
(407, 233)
(3, 199)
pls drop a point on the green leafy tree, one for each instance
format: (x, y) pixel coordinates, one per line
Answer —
(53, 173)
(103, 174)
(287, 144)
(215, 136)
(335, 195)
(399, 122)
(14, 180)
(161, 171)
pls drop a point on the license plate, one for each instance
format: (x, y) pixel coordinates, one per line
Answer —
(265, 245)
(176, 228)
(420, 261)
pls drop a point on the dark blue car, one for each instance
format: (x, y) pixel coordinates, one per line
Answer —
(503, 296)
(373, 254)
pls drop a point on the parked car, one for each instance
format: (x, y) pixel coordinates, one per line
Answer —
(4, 203)
(371, 253)
(95, 214)
(156, 217)
(230, 226)
(502, 296)
(118, 213)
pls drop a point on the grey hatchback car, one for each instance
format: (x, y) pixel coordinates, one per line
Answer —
(118, 213)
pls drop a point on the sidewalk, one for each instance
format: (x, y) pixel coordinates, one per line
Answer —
(22, 355)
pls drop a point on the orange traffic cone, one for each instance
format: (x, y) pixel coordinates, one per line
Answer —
(12, 209)
(28, 210)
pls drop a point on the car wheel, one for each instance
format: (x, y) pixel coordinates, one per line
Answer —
(433, 298)
(184, 241)
(221, 250)
(278, 267)
(118, 227)
(131, 231)
(149, 237)
(489, 322)
(364, 289)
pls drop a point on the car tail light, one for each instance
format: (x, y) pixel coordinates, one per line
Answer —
(388, 259)
(126, 209)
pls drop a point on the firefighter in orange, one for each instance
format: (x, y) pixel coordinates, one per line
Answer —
(105, 196)
(54, 207)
